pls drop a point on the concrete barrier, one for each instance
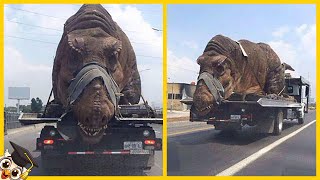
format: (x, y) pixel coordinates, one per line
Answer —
(25, 128)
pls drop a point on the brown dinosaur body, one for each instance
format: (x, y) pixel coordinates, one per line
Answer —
(91, 36)
(259, 73)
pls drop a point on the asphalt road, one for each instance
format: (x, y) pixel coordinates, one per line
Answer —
(27, 139)
(197, 149)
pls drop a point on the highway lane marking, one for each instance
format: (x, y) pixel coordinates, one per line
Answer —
(190, 131)
(245, 162)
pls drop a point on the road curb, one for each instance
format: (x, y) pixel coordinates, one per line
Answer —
(180, 118)
(25, 128)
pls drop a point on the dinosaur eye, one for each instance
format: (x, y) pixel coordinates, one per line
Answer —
(15, 173)
(115, 54)
(220, 69)
(5, 163)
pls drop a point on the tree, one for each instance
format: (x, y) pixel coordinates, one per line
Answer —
(36, 105)
(25, 108)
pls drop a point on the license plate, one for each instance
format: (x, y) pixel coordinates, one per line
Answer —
(132, 145)
(235, 117)
(139, 151)
(47, 147)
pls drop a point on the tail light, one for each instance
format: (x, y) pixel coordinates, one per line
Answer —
(149, 142)
(48, 142)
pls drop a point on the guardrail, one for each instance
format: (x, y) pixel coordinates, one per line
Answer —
(11, 121)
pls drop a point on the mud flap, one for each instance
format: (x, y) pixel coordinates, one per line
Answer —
(265, 125)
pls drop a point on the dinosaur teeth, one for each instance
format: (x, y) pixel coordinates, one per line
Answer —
(91, 131)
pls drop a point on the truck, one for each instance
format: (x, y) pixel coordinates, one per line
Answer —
(130, 139)
(267, 113)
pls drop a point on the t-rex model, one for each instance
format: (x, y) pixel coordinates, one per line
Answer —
(229, 67)
(94, 70)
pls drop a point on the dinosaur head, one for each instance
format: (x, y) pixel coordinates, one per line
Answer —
(90, 69)
(219, 70)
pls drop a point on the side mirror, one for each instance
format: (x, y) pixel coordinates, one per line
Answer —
(290, 89)
(307, 91)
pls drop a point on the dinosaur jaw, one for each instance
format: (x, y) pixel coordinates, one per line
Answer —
(91, 135)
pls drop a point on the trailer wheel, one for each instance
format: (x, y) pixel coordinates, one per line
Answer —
(278, 123)
(300, 120)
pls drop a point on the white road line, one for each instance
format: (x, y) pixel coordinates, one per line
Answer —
(245, 162)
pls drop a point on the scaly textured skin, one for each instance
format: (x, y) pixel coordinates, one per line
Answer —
(260, 73)
(92, 35)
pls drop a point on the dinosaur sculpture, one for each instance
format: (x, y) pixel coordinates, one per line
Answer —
(229, 67)
(94, 70)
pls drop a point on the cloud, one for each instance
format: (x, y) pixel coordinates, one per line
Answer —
(190, 44)
(299, 50)
(279, 32)
(307, 34)
(146, 42)
(19, 72)
(182, 69)
(286, 52)
(301, 28)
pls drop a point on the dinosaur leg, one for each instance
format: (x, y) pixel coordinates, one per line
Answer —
(132, 90)
(275, 81)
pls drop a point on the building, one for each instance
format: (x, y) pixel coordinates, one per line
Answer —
(178, 91)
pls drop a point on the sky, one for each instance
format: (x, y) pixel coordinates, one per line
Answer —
(32, 34)
(290, 30)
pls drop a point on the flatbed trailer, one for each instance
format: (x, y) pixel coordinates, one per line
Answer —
(131, 141)
(265, 112)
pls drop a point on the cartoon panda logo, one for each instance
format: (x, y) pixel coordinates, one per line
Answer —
(13, 166)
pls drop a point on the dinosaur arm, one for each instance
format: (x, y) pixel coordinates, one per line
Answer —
(275, 80)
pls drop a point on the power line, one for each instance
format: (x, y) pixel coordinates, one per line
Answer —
(132, 42)
(31, 39)
(31, 33)
(25, 24)
(149, 56)
(60, 18)
(57, 44)
(112, 7)
(170, 66)
(32, 12)
(156, 29)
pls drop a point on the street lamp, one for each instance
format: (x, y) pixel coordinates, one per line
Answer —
(144, 70)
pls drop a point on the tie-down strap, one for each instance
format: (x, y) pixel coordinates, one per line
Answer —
(214, 86)
(87, 74)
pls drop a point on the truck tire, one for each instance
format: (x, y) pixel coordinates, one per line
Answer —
(278, 123)
(300, 120)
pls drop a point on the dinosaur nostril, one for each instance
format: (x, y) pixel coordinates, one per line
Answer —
(87, 121)
(97, 86)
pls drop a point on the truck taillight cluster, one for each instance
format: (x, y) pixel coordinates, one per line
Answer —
(149, 142)
(48, 141)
